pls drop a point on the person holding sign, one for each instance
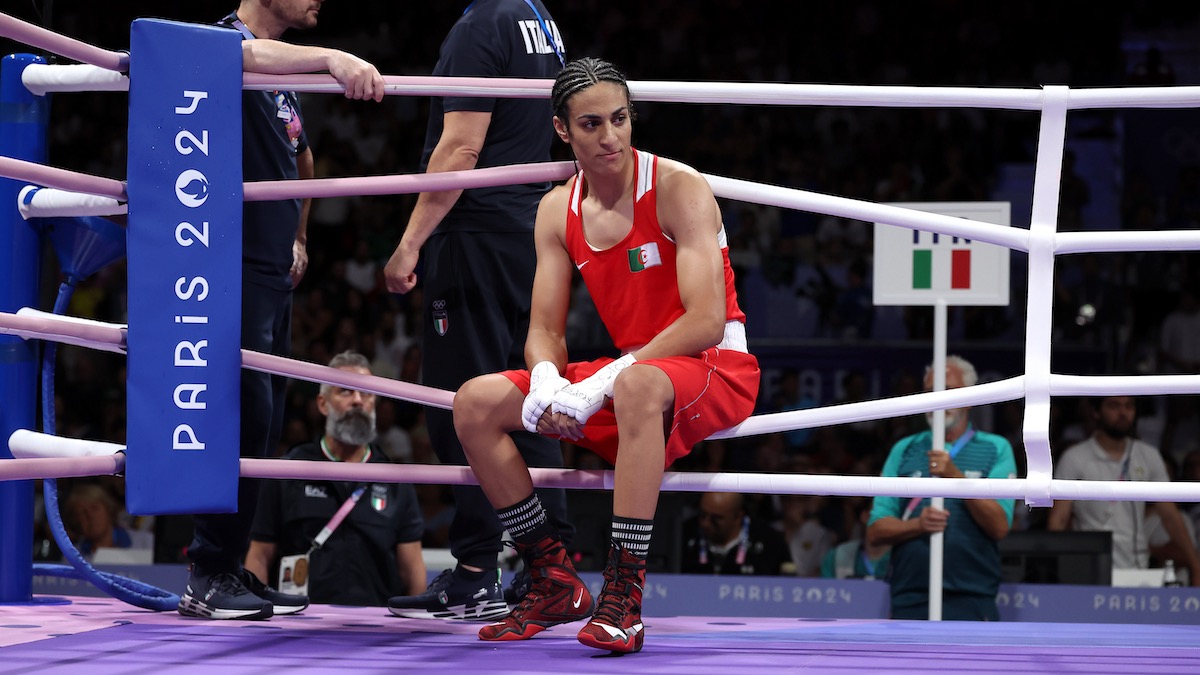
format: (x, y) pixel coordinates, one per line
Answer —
(972, 527)
(344, 543)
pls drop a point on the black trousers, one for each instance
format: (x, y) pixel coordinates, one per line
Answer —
(220, 540)
(477, 292)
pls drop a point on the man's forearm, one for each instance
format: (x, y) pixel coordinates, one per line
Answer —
(989, 516)
(432, 207)
(305, 169)
(281, 58)
(892, 531)
(428, 213)
(1172, 521)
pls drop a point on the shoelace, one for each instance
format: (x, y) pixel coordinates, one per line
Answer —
(536, 592)
(522, 580)
(617, 599)
(441, 581)
(537, 589)
(613, 609)
(227, 583)
(250, 581)
(526, 603)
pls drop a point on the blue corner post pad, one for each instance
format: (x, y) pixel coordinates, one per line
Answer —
(185, 280)
(23, 120)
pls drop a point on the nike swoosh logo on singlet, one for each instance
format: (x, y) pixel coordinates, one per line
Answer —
(580, 265)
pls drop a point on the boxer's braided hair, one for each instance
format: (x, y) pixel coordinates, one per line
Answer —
(580, 74)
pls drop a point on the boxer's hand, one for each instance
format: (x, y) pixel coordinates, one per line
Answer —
(581, 400)
(544, 383)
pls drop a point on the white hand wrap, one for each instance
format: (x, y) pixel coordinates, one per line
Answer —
(544, 383)
(582, 399)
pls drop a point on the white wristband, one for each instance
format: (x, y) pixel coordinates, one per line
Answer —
(541, 372)
(544, 383)
(608, 374)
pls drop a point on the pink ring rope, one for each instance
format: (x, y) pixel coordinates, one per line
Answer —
(36, 36)
(314, 372)
(268, 190)
(48, 176)
(111, 337)
(408, 85)
(311, 188)
(60, 467)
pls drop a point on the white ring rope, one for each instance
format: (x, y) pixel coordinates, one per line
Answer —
(32, 444)
(42, 78)
(39, 202)
(32, 323)
(760, 93)
(52, 78)
(1041, 241)
(29, 447)
(1035, 431)
(729, 188)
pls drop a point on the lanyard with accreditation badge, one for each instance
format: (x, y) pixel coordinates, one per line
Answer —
(958, 445)
(293, 569)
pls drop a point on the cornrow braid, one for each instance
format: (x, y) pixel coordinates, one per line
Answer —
(580, 74)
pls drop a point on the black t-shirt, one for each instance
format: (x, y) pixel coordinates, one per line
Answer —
(499, 38)
(272, 136)
(357, 564)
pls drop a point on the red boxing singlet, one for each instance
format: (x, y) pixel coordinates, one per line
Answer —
(634, 284)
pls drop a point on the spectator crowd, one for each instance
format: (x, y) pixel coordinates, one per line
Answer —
(805, 278)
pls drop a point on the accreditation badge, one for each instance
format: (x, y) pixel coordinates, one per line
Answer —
(293, 574)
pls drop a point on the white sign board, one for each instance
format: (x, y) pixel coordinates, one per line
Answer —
(919, 268)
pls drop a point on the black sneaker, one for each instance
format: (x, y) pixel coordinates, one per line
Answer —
(518, 587)
(222, 596)
(452, 598)
(283, 603)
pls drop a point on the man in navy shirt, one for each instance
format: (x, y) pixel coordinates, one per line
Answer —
(478, 254)
(273, 262)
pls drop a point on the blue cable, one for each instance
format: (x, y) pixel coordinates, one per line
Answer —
(127, 590)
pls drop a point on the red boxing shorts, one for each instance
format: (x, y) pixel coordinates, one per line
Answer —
(713, 391)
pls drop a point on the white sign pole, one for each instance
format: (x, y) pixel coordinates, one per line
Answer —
(938, 539)
(922, 268)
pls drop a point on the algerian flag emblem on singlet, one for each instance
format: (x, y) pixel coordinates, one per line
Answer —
(644, 256)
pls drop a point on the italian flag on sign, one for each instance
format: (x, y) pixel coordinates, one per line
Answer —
(960, 269)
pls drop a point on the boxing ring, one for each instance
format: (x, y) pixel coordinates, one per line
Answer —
(108, 636)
